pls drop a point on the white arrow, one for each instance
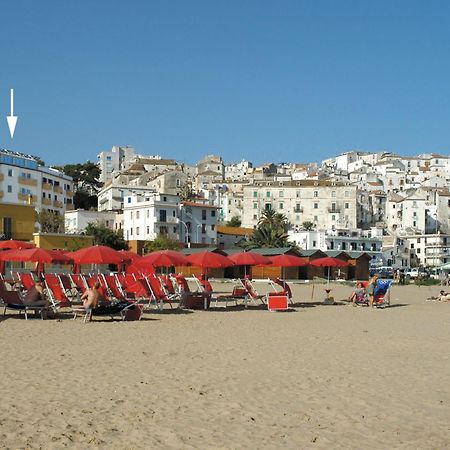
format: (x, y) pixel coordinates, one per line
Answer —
(12, 119)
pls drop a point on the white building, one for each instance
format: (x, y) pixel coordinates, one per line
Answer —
(327, 204)
(112, 195)
(238, 171)
(77, 220)
(115, 160)
(149, 215)
(24, 181)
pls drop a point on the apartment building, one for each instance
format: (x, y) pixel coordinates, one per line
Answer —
(25, 182)
(149, 215)
(111, 196)
(77, 220)
(325, 203)
(113, 161)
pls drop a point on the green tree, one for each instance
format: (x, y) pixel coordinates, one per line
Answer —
(86, 181)
(50, 222)
(187, 192)
(105, 236)
(235, 221)
(162, 242)
(271, 231)
(307, 225)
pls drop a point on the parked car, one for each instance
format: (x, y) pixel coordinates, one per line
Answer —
(416, 272)
(383, 271)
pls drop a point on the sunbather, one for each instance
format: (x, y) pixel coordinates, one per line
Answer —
(35, 296)
(444, 296)
(370, 289)
(358, 295)
(92, 297)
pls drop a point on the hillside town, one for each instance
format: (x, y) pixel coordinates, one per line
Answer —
(393, 208)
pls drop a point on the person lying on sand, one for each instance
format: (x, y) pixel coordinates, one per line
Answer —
(92, 297)
(444, 296)
(35, 296)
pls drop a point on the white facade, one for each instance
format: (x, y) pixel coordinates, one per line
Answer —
(327, 204)
(238, 171)
(113, 161)
(77, 220)
(24, 181)
(111, 197)
(145, 217)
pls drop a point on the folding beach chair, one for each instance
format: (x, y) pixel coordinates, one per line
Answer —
(252, 293)
(160, 295)
(286, 289)
(191, 299)
(113, 288)
(13, 300)
(382, 293)
(26, 280)
(79, 282)
(56, 293)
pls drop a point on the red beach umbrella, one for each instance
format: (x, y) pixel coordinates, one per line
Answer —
(163, 258)
(98, 254)
(209, 260)
(129, 256)
(287, 261)
(249, 259)
(12, 244)
(40, 255)
(328, 262)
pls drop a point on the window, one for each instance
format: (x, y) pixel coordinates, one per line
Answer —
(255, 205)
(9, 188)
(213, 227)
(280, 193)
(268, 194)
(297, 217)
(148, 213)
(333, 217)
(255, 194)
(129, 200)
(316, 193)
(131, 231)
(203, 214)
(347, 193)
(347, 205)
(316, 218)
(316, 206)
(213, 213)
(108, 158)
(148, 229)
(10, 172)
(297, 194)
(268, 206)
(174, 229)
(280, 206)
(137, 230)
(203, 228)
(255, 217)
(137, 217)
(333, 193)
(164, 199)
(56, 198)
(131, 215)
(314, 244)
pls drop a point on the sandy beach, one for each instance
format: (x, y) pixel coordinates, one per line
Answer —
(318, 377)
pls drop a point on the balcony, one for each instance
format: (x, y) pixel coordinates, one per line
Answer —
(169, 220)
(334, 210)
(27, 181)
(69, 194)
(46, 201)
(69, 207)
(29, 198)
(2, 177)
(47, 186)
(57, 204)
(298, 210)
(57, 189)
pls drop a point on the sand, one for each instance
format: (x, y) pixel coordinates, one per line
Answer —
(319, 377)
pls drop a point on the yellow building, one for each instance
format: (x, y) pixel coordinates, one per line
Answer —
(62, 241)
(17, 221)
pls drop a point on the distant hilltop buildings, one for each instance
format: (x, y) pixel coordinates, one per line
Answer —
(382, 203)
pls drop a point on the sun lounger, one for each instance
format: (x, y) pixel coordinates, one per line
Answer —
(286, 289)
(13, 300)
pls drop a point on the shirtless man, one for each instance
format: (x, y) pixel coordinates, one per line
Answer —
(35, 296)
(92, 297)
(444, 296)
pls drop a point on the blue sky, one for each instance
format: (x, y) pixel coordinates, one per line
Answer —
(266, 81)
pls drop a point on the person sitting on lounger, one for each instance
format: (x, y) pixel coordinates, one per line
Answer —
(35, 296)
(92, 297)
(358, 295)
(370, 289)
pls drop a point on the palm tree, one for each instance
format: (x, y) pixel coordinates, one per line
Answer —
(271, 231)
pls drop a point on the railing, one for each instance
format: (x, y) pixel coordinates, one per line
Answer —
(57, 189)
(46, 201)
(334, 210)
(2, 177)
(70, 207)
(57, 204)
(47, 186)
(27, 181)
(69, 194)
(298, 210)
(26, 198)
